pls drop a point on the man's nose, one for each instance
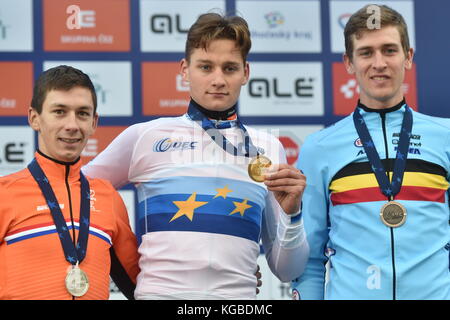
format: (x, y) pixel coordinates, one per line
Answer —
(379, 61)
(71, 123)
(218, 78)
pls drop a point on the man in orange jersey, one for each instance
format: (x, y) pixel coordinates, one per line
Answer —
(63, 234)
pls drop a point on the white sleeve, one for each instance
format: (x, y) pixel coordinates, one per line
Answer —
(113, 163)
(284, 242)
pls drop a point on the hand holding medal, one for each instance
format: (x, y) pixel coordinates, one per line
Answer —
(287, 184)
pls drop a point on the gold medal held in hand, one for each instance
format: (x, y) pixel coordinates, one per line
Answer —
(393, 214)
(77, 282)
(258, 167)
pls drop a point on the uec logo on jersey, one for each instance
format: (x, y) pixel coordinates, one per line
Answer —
(168, 144)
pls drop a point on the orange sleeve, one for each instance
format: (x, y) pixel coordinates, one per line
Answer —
(6, 212)
(124, 241)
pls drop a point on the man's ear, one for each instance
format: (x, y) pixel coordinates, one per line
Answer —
(247, 73)
(348, 64)
(94, 122)
(33, 119)
(184, 70)
(409, 59)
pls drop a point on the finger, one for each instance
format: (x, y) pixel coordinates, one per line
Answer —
(284, 173)
(293, 191)
(286, 183)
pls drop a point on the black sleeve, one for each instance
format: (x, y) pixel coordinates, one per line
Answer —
(120, 276)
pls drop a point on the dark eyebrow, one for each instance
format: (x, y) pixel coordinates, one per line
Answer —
(234, 63)
(383, 46)
(203, 61)
(60, 105)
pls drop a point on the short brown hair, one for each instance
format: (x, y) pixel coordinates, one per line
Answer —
(357, 24)
(213, 26)
(60, 78)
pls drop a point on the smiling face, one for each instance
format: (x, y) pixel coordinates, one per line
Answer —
(66, 122)
(216, 75)
(379, 63)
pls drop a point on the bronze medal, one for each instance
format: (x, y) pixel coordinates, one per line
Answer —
(393, 214)
(258, 167)
(77, 282)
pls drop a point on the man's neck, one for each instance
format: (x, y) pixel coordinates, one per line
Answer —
(381, 110)
(217, 115)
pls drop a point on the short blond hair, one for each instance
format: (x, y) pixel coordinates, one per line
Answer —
(213, 26)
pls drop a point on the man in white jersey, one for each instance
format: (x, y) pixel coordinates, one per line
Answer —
(209, 188)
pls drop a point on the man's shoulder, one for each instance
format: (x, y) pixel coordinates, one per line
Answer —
(11, 179)
(442, 122)
(159, 123)
(101, 183)
(327, 134)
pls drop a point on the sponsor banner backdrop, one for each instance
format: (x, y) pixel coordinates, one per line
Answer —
(99, 141)
(16, 25)
(283, 26)
(164, 24)
(131, 49)
(112, 82)
(86, 25)
(291, 137)
(346, 90)
(16, 148)
(167, 96)
(16, 82)
(340, 12)
(283, 89)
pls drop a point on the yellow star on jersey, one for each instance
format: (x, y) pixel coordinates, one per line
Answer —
(223, 192)
(187, 207)
(240, 207)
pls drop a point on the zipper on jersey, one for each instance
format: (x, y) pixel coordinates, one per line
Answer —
(389, 169)
(70, 207)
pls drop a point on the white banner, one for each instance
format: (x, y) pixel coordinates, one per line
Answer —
(16, 25)
(340, 12)
(283, 26)
(283, 89)
(16, 148)
(112, 82)
(165, 23)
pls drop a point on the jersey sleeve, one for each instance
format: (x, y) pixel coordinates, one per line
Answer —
(284, 242)
(124, 252)
(113, 163)
(310, 285)
(6, 212)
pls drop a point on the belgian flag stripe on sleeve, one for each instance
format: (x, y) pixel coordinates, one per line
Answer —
(422, 181)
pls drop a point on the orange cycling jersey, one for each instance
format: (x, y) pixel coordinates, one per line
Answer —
(32, 262)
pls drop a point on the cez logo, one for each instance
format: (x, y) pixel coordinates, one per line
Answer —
(79, 18)
(168, 144)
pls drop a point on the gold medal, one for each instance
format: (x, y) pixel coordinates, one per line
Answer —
(258, 167)
(393, 214)
(77, 282)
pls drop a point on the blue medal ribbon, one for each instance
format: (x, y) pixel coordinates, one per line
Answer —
(73, 254)
(212, 129)
(389, 189)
